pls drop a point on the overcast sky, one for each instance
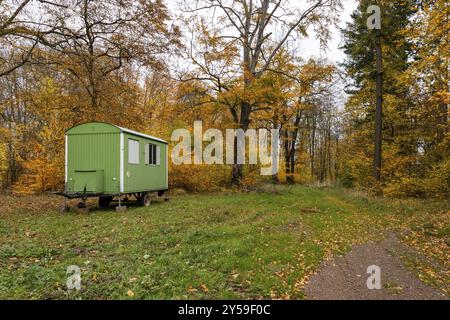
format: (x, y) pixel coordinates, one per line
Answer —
(310, 46)
(333, 53)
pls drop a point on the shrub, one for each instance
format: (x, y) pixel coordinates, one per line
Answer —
(347, 178)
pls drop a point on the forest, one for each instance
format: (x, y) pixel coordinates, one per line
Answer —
(153, 67)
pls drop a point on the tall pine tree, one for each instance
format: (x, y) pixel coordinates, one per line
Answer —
(360, 65)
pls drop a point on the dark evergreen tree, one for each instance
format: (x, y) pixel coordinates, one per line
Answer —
(360, 66)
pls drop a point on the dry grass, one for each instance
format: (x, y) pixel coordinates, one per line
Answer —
(35, 204)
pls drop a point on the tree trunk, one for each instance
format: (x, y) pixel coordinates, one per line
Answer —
(236, 173)
(313, 147)
(287, 157)
(329, 154)
(322, 153)
(290, 146)
(292, 163)
(379, 111)
(237, 169)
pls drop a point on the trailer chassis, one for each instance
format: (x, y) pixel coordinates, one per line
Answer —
(143, 198)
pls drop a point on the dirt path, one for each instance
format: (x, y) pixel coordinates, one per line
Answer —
(344, 278)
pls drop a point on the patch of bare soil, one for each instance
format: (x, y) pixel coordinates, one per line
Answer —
(345, 277)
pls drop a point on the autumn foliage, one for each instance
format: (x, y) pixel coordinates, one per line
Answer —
(139, 71)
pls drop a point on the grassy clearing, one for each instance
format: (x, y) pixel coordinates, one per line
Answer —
(228, 245)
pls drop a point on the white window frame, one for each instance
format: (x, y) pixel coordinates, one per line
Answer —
(133, 146)
(155, 157)
(146, 154)
(158, 155)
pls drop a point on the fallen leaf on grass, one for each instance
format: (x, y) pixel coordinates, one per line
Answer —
(204, 288)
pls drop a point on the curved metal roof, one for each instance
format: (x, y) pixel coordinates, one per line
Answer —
(122, 129)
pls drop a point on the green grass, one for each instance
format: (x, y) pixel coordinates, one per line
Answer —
(228, 245)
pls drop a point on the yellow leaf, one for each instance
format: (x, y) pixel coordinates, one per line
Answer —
(204, 288)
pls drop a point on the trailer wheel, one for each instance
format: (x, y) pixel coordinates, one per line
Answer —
(145, 200)
(103, 202)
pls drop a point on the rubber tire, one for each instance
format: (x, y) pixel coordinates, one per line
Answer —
(103, 202)
(145, 200)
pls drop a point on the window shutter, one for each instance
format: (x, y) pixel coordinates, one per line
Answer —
(133, 151)
(158, 153)
(146, 154)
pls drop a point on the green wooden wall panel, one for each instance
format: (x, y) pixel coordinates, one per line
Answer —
(96, 147)
(143, 176)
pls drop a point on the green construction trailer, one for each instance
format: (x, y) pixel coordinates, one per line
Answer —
(113, 163)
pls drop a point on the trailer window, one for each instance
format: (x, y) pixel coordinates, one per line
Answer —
(133, 151)
(152, 154)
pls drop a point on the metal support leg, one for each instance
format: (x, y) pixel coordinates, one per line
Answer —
(120, 207)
